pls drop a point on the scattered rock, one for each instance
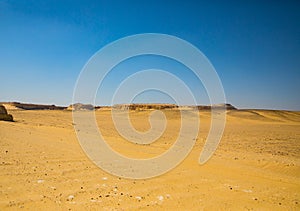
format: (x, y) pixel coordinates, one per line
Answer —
(160, 198)
(138, 198)
(40, 181)
(70, 197)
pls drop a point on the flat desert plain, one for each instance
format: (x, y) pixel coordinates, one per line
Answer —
(256, 166)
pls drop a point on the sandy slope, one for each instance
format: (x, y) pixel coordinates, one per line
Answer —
(257, 165)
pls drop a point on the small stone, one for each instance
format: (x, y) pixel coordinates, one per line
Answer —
(160, 198)
(71, 197)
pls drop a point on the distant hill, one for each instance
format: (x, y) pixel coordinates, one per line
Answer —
(80, 106)
(145, 106)
(28, 106)
(171, 106)
(133, 106)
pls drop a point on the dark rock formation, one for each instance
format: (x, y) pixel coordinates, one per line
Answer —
(28, 106)
(80, 107)
(171, 106)
(4, 115)
(218, 106)
(144, 106)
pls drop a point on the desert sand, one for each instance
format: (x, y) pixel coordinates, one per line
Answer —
(256, 166)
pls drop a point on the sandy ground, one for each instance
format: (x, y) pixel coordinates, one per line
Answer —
(256, 166)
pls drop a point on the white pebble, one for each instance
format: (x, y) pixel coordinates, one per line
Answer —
(160, 198)
(40, 181)
(71, 197)
(138, 198)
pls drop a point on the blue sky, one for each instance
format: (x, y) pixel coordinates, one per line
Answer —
(253, 45)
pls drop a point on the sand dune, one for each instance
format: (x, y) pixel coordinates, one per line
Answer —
(257, 165)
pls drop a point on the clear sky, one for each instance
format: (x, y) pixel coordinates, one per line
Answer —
(253, 45)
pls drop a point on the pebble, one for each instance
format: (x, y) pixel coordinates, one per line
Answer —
(138, 198)
(160, 198)
(71, 197)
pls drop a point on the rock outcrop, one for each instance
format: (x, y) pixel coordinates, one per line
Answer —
(171, 106)
(28, 106)
(4, 115)
(81, 107)
(217, 106)
(145, 106)
(134, 106)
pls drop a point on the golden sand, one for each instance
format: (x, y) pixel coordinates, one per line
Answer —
(256, 166)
